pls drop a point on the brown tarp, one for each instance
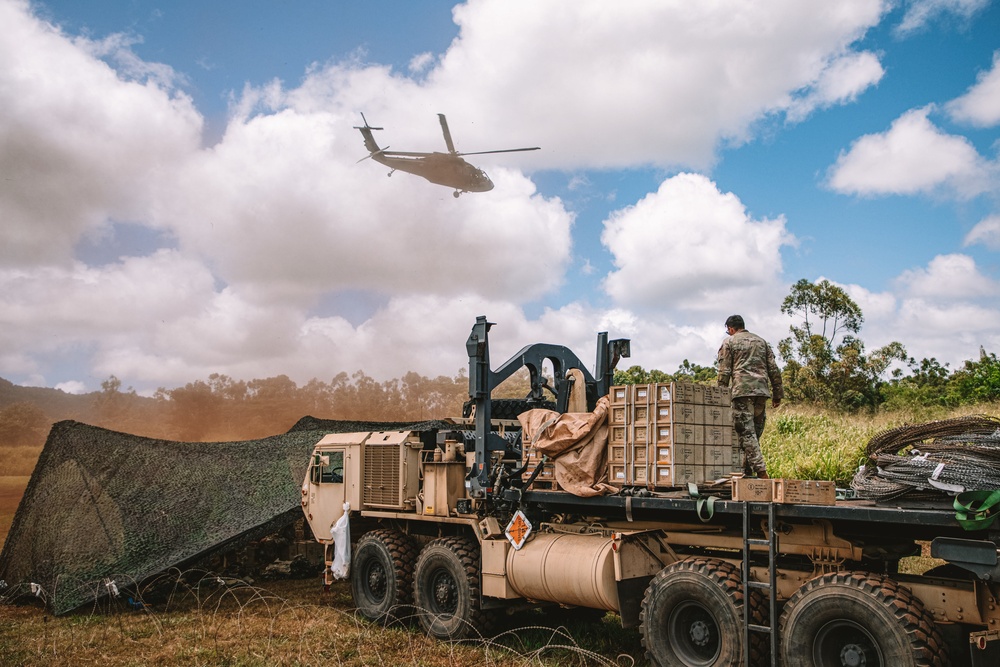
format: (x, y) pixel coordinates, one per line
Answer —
(577, 444)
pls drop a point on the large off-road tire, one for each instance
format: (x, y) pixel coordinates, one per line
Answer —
(382, 575)
(692, 615)
(446, 589)
(856, 618)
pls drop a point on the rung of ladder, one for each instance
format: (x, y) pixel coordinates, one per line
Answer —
(758, 542)
(761, 585)
(760, 628)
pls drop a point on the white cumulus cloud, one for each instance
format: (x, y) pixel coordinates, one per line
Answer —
(913, 156)
(690, 246)
(985, 232)
(980, 105)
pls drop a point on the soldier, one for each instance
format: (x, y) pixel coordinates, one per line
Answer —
(747, 361)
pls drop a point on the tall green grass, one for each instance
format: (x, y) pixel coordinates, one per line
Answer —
(802, 442)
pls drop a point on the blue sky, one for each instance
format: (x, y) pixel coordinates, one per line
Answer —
(182, 191)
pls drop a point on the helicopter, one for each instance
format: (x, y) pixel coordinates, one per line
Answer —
(447, 169)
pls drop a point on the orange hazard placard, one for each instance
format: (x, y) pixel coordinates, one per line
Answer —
(518, 529)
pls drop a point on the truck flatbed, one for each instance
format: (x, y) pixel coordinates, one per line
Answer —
(934, 517)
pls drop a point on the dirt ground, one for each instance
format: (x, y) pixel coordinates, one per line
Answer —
(11, 490)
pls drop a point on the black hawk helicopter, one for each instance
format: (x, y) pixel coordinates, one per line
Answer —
(442, 168)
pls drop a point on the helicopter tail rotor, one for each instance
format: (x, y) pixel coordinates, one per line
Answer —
(366, 126)
(381, 151)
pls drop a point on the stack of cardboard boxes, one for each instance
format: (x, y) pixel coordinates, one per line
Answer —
(669, 434)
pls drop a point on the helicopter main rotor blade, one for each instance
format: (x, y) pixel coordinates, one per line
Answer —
(505, 150)
(406, 154)
(447, 134)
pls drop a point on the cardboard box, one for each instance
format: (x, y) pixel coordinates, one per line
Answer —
(640, 474)
(804, 492)
(685, 454)
(688, 434)
(684, 473)
(751, 489)
(664, 475)
(618, 413)
(717, 436)
(710, 473)
(617, 474)
(786, 491)
(718, 456)
(628, 474)
(664, 392)
(717, 415)
(685, 413)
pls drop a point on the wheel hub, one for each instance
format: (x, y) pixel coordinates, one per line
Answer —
(852, 655)
(444, 593)
(377, 582)
(846, 643)
(700, 633)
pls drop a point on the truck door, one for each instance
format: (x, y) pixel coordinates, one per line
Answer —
(324, 491)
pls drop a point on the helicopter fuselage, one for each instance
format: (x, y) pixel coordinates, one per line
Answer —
(440, 168)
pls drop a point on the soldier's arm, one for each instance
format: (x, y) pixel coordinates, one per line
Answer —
(774, 375)
(724, 365)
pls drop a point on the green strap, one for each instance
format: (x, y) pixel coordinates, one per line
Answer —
(705, 505)
(976, 510)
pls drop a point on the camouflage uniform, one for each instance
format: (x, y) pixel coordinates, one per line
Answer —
(747, 361)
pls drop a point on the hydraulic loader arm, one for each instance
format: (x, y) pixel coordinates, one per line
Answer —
(483, 380)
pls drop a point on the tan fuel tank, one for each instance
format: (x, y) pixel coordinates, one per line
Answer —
(568, 569)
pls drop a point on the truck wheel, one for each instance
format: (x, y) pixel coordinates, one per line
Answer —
(446, 589)
(382, 574)
(692, 615)
(856, 618)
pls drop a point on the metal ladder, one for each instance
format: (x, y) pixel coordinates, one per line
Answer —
(771, 542)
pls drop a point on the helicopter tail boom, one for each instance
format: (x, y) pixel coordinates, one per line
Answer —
(366, 132)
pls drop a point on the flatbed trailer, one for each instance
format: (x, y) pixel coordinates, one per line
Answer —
(447, 525)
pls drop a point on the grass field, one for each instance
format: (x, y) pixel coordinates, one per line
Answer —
(808, 443)
(296, 623)
(288, 623)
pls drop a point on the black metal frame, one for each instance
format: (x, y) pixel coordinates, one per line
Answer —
(483, 380)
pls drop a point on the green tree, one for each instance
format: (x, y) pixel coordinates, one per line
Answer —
(977, 381)
(686, 372)
(820, 370)
(696, 373)
(23, 424)
(826, 310)
(926, 384)
(638, 375)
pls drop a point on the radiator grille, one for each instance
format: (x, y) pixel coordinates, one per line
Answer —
(382, 475)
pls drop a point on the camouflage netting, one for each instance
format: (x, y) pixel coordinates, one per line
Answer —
(103, 506)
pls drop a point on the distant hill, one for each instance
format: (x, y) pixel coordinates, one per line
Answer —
(55, 403)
